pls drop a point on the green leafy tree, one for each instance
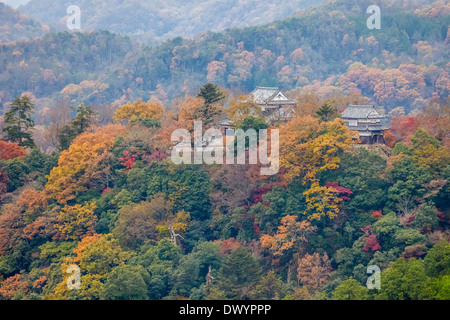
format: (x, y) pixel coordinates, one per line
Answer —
(161, 261)
(211, 109)
(405, 281)
(407, 183)
(443, 288)
(252, 122)
(15, 169)
(270, 287)
(437, 260)
(361, 171)
(127, 282)
(18, 122)
(41, 162)
(194, 268)
(350, 289)
(426, 218)
(386, 229)
(240, 274)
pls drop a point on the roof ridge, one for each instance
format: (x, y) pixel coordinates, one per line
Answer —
(361, 106)
(273, 88)
(274, 95)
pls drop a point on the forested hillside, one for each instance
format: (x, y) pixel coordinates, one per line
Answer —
(15, 26)
(113, 204)
(402, 65)
(88, 181)
(157, 20)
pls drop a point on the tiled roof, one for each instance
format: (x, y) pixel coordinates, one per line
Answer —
(270, 95)
(262, 94)
(361, 112)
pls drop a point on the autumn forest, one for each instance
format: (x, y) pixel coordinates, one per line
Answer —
(87, 181)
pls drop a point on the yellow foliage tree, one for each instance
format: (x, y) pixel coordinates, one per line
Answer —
(139, 223)
(77, 221)
(321, 201)
(96, 256)
(139, 110)
(308, 147)
(179, 222)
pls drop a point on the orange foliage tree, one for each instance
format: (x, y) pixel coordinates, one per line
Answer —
(63, 182)
(289, 238)
(12, 286)
(11, 226)
(314, 271)
(9, 150)
(32, 202)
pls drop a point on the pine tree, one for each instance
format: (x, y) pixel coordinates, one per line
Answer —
(240, 274)
(211, 94)
(18, 122)
(326, 113)
(77, 126)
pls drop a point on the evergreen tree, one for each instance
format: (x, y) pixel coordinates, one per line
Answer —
(211, 94)
(240, 274)
(77, 126)
(18, 122)
(326, 113)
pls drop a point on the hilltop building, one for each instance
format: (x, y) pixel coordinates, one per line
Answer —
(275, 105)
(369, 123)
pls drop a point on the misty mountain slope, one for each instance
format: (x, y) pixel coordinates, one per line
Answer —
(325, 49)
(15, 26)
(162, 19)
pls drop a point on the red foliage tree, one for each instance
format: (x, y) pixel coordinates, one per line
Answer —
(404, 128)
(377, 214)
(10, 150)
(344, 193)
(390, 139)
(371, 241)
(156, 156)
(128, 160)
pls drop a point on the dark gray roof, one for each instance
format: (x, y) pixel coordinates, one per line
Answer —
(361, 112)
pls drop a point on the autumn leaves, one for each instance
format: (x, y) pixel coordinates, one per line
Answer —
(309, 147)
